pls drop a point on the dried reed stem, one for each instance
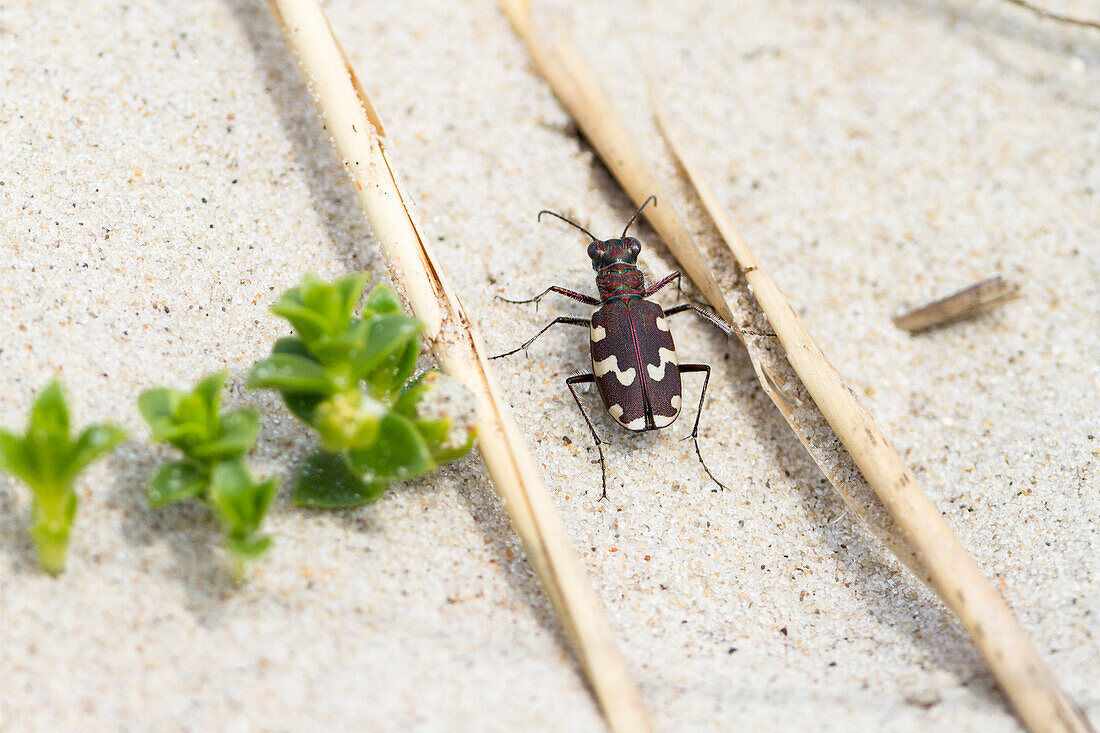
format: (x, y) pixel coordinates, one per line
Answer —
(1044, 13)
(940, 558)
(969, 301)
(953, 574)
(356, 131)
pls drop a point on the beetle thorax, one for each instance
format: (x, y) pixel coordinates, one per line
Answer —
(620, 281)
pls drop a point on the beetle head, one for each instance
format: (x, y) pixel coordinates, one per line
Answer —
(606, 253)
(611, 252)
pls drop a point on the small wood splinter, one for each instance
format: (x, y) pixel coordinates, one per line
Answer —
(976, 298)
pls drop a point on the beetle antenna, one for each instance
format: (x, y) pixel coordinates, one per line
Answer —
(651, 198)
(567, 221)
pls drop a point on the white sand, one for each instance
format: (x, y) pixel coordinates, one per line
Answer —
(165, 177)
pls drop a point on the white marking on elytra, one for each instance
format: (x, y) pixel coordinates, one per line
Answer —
(663, 421)
(662, 323)
(611, 364)
(617, 413)
(597, 333)
(668, 356)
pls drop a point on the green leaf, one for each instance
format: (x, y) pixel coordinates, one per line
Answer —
(235, 438)
(158, 406)
(265, 494)
(230, 483)
(382, 299)
(48, 423)
(242, 504)
(47, 442)
(333, 350)
(434, 415)
(184, 419)
(194, 415)
(292, 345)
(92, 443)
(301, 406)
(14, 458)
(443, 455)
(400, 453)
(324, 480)
(388, 334)
(249, 547)
(239, 501)
(308, 323)
(411, 394)
(317, 308)
(291, 374)
(434, 432)
(339, 299)
(174, 482)
(208, 394)
(392, 373)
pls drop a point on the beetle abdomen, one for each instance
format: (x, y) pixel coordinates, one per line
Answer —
(635, 364)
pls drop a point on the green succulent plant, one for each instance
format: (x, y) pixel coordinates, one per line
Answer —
(48, 461)
(349, 377)
(213, 468)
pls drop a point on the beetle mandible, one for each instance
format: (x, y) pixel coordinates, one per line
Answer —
(634, 361)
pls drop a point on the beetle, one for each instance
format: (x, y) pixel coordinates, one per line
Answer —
(634, 362)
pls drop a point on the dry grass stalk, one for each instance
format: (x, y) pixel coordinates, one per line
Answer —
(351, 120)
(953, 574)
(1049, 15)
(976, 298)
(941, 560)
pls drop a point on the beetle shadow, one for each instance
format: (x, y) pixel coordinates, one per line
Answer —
(15, 537)
(333, 200)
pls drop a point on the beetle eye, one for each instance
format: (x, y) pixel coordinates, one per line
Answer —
(593, 250)
(635, 247)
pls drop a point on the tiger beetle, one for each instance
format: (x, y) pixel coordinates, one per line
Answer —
(634, 362)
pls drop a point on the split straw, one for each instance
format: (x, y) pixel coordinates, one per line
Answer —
(356, 131)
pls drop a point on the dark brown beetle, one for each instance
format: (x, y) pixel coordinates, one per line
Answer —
(634, 362)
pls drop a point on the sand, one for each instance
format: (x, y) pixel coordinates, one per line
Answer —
(164, 177)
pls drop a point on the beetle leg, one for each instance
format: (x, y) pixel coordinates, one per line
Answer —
(589, 379)
(716, 320)
(586, 299)
(679, 285)
(560, 319)
(699, 413)
(674, 276)
(722, 325)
